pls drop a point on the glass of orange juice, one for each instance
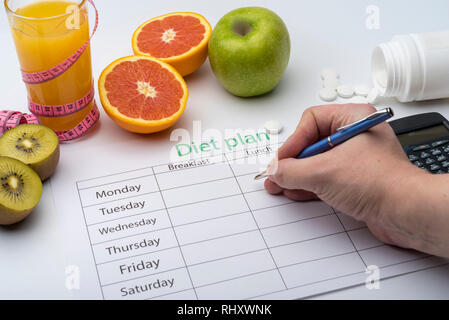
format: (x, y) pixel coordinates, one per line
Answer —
(46, 33)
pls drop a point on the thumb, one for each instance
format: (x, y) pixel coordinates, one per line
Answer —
(299, 174)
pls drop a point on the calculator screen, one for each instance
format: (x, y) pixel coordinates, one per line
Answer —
(423, 135)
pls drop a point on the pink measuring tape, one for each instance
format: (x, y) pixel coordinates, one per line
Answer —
(11, 119)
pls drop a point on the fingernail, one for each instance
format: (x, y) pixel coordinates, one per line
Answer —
(272, 167)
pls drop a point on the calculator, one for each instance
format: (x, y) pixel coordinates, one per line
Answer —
(425, 139)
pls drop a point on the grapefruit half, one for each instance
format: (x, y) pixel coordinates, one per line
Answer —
(142, 94)
(179, 39)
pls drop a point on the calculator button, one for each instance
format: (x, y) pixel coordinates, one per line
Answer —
(440, 172)
(446, 149)
(434, 167)
(430, 161)
(422, 147)
(424, 155)
(435, 152)
(445, 164)
(441, 158)
(418, 164)
(439, 143)
(412, 157)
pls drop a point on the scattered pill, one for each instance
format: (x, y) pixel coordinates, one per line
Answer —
(373, 96)
(273, 127)
(362, 90)
(331, 83)
(329, 73)
(328, 94)
(345, 91)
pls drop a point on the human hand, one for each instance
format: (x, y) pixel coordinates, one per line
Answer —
(367, 177)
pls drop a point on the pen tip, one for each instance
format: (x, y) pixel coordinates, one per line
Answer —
(261, 175)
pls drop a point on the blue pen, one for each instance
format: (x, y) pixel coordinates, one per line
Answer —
(344, 133)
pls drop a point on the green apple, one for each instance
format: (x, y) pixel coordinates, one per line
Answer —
(249, 51)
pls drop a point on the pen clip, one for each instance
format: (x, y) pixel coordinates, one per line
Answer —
(370, 117)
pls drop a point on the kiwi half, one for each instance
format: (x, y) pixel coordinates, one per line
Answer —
(34, 145)
(20, 190)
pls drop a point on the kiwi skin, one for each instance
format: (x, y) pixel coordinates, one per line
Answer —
(47, 167)
(8, 215)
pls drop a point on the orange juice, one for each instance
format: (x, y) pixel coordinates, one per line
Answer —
(45, 34)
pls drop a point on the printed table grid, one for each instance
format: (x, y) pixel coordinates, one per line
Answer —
(270, 242)
(184, 260)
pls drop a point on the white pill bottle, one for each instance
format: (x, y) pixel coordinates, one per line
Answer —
(413, 67)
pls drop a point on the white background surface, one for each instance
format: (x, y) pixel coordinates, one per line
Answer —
(34, 254)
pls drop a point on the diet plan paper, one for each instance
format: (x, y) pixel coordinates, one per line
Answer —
(199, 227)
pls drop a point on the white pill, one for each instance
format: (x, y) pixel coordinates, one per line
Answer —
(273, 127)
(373, 96)
(331, 83)
(328, 94)
(329, 73)
(362, 90)
(345, 92)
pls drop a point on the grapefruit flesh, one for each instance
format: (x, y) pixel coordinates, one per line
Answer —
(142, 94)
(180, 39)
